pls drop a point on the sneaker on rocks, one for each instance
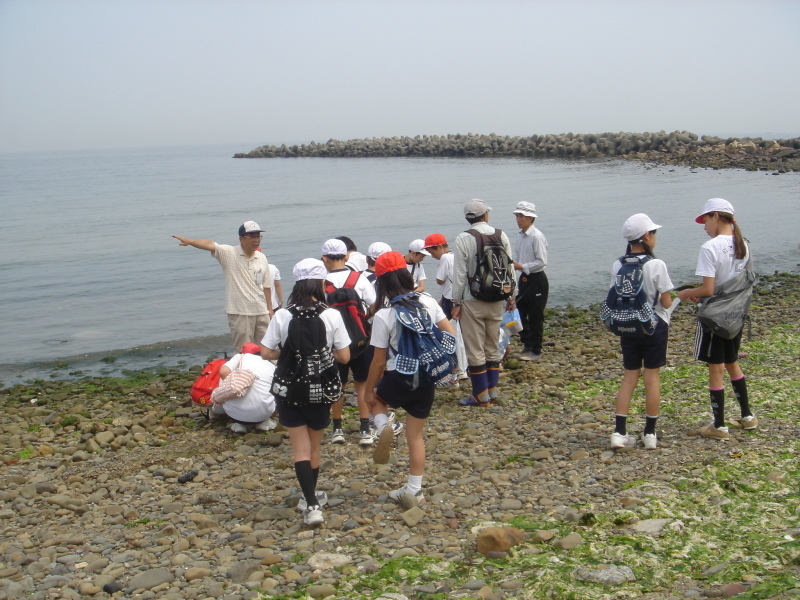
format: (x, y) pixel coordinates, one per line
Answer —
(337, 437)
(367, 438)
(649, 440)
(239, 428)
(266, 425)
(313, 516)
(619, 440)
(383, 449)
(322, 500)
(397, 495)
(749, 422)
(719, 433)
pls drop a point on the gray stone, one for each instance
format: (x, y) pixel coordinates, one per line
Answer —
(605, 574)
(653, 527)
(320, 591)
(150, 579)
(242, 571)
(324, 560)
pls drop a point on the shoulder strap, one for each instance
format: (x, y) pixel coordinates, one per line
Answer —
(351, 280)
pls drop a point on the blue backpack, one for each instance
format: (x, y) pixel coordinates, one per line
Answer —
(626, 311)
(424, 355)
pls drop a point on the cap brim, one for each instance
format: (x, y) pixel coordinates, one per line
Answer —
(423, 251)
(699, 218)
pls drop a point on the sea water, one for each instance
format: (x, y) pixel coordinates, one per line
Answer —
(93, 282)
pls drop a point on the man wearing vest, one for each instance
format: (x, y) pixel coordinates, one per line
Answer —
(248, 285)
(480, 321)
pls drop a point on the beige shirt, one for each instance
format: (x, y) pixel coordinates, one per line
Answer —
(246, 278)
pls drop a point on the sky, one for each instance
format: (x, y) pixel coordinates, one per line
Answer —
(88, 74)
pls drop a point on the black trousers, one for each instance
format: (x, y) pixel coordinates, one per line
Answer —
(531, 300)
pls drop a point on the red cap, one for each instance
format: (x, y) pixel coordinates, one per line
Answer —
(251, 348)
(388, 262)
(435, 239)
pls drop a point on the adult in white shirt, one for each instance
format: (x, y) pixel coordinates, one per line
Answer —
(533, 287)
(248, 292)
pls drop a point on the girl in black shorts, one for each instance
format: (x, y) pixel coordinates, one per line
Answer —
(721, 258)
(306, 423)
(382, 389)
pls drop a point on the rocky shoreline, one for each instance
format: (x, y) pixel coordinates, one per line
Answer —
(676, 148)
(119, 488)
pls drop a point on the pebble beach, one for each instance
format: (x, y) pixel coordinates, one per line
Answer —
(120, 488)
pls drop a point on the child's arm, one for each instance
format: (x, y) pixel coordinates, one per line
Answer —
(376, 369)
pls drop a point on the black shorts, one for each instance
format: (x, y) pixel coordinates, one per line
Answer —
(313, 416)
(359, 366)
(417, 403)
(447, 308)
(715, 350)
(647, 350)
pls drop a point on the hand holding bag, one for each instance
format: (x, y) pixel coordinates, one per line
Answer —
(234, 385)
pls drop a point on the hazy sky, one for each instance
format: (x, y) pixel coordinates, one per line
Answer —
(121, 73)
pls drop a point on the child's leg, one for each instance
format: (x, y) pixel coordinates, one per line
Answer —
(739, 384)
(630, 379)
(652, 394)
(303, 453)
(717, 393)
(416, 448)
(383, 449)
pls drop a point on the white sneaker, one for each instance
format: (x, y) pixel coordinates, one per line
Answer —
(337, 437)
(397, 495)
(649, 440)
(622, 441)
(313, 516)
(322, 500)
(391, 417)
(367, 438)
(397, 427)
(266, 425)
(239, 428)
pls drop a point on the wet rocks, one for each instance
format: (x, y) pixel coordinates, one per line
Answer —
(677, 147)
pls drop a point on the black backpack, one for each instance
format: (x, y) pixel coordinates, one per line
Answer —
(626, 311)
(494, 277)
(350, 305)
(424, 355)
(306, 372)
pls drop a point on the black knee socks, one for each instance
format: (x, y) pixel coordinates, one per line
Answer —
(740, 391)
(305, 477)
(718, 407)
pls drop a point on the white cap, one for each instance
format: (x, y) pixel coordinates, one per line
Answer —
(714, 205)
(334, 247)
(357, 262)
(249, 227)
(309, 268)
(475, 208)
(377, 248)
(636, 226)
(525, 208)
(418, 246)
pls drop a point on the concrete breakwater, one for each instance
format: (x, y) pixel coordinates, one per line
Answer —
(677, 147)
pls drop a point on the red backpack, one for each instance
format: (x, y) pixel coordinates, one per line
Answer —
(207, 382)
(350, 305)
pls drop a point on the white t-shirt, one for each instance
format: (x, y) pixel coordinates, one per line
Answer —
(274, 275)
(445, 273)
(386, 329)
(717, 260)
(363, 287)
(278, 329)
(656, 282)
(417, 272)
(258, 403)
(357, 262)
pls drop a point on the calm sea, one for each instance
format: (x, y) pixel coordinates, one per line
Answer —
(92, 282)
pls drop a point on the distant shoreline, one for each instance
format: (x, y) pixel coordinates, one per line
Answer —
(681, 148)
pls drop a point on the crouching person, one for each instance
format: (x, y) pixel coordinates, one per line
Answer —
(253, 409)
(307, 338)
